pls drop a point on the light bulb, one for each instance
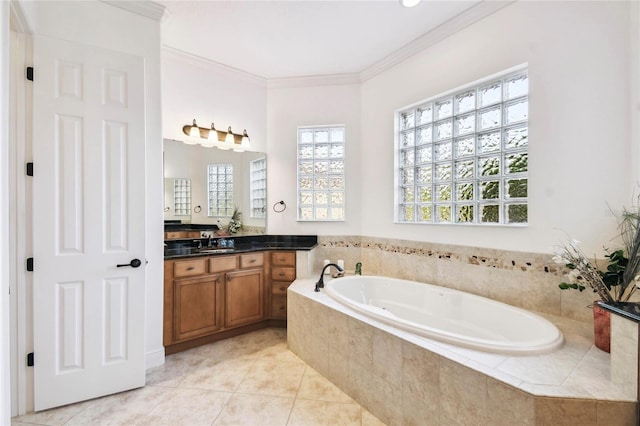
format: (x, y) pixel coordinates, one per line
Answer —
(213, 134)
(246, 143)
(195, 131)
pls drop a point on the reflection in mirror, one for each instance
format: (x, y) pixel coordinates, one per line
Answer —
(208, 202)
(177, 199)
(258, 188)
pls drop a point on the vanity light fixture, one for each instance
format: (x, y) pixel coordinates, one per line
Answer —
(409, 3)
(215, 138)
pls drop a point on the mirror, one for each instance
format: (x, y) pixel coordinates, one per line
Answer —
(236, 179)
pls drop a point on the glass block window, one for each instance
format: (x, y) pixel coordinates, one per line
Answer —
(321, 187)
(220, 184)
(462, 157)
(182, 197)
(258, 187)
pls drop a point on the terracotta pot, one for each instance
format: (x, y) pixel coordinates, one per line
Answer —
(602, 328)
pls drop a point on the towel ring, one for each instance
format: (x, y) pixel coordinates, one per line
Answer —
(279, 209)
(197, 209)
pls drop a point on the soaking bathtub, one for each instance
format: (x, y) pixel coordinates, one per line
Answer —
(447, 315)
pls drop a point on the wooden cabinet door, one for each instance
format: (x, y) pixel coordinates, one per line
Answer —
(244, 295)
(197, 306)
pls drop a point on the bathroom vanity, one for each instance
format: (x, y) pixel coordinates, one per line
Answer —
(212, 293)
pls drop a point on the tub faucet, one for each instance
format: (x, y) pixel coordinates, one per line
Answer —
(320, 283)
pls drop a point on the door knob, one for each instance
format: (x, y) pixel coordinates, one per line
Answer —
(134, 263)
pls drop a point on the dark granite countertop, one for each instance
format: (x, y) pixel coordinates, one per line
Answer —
(175, 249)
(628, 310)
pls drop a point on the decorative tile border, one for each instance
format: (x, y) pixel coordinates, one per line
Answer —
(500, 259)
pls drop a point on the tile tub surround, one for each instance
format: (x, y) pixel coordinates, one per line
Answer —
(526, 280)
(406, 379)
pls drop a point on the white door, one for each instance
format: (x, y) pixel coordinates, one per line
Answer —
(88, 217)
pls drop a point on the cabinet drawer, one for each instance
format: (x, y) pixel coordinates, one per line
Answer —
(251, 260)
(189, 268)
(279, 288)
(284, 258)
(174, 235)
(193, 234)
(279, 307)
(223, 263)
(283, 274)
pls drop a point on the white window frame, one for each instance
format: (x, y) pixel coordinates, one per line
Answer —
(419, 193)
(335, 196)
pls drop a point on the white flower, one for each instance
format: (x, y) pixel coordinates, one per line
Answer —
(559, 259)
(574, 243)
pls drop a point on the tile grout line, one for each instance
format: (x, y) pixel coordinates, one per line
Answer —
(295, 398)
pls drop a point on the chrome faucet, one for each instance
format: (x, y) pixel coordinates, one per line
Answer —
(320, 283)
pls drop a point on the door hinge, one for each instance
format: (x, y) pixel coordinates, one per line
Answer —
(30, 73)
(29, 169)
(30, 359)
(30, 264)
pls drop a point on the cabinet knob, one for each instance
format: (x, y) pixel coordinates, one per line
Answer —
(252, 261)
(283, 288)
(190, 268)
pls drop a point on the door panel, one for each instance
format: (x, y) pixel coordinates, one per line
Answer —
(197, 306)
(244, 297)
(88, 216)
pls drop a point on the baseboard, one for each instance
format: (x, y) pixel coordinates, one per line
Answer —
(154, 359)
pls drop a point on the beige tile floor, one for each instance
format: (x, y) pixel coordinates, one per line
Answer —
(251, 379)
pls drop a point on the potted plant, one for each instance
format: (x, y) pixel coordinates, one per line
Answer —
(616, 283)
(235, 222)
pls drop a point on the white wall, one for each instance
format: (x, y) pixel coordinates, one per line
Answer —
(579, 154)
(194, 88)
(102, 25)
(289, 108)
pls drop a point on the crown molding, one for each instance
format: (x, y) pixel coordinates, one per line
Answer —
(314, 80)
(169, 52)
(148, 9)
(444, 30)
(19, 22)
